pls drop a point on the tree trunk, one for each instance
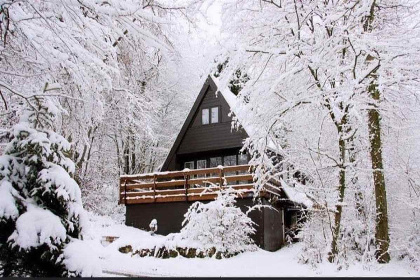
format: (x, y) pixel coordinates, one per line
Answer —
(381, 235)
(133, 154)
(118, 153)
(341, 188)
(126, 152)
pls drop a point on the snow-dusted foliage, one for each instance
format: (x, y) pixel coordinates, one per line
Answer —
(115, 70)
(41, 206)
(219, 224)
(318, 71)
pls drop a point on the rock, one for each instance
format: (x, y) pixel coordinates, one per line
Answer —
(126, 249)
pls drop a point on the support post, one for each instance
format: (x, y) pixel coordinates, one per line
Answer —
(221, 175)
(154, 188)
(125, 192)
(186, 185)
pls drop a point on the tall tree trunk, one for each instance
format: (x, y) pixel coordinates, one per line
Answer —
(126, 152)
(381, 234)
(118, 153)
(133, 154)
(341, 188)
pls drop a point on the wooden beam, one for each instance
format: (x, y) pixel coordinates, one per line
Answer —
(242, 177)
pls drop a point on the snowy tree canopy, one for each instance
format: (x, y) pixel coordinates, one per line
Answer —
(324, 79)
(41, 206)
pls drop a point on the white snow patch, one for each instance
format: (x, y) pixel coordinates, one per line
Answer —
(82, 257)
(36, 227)
(295, 195)
(8, 209)
(281, 263)
(57, 176)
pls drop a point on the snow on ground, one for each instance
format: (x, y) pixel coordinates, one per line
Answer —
(260, 263)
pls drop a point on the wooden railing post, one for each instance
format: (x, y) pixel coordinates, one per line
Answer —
(154, 188)
(221, 178)
(186, 185)
(125, 192)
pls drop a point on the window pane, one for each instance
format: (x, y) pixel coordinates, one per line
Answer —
(230, 161)
(215, 115)
(201, 164)
(242, 159)
(205, 116)
(215, 161)
(189, 164)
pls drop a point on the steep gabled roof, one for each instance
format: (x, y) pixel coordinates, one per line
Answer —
(208, 83)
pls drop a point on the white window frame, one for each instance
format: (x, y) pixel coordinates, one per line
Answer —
(189, 163)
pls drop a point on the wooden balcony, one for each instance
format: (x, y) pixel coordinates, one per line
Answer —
(190, 185)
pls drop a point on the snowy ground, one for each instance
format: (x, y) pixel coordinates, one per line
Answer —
(261, 263)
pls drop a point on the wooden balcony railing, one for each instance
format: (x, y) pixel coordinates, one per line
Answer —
(186, 185)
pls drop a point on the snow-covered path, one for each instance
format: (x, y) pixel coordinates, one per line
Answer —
(260, 263)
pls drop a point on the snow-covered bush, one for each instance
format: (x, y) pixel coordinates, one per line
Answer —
(357, 232)
(41, 210)
(219, 224)
(217, 229)
(81, 259)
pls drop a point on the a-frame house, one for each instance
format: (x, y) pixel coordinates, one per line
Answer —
(206, 139)
(207, 151)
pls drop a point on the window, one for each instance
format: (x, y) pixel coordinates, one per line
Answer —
(189, 164)
(210, 115)
(242, 159)
(215, 161)
(229, 161)
(201, 164)
(205, 116)
(215, 115)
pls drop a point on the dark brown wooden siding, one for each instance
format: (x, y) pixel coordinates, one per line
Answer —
(196, 141)
(269, 226)
(200, 138)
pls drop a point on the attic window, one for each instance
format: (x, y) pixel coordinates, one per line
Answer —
(215, 115)
(210, 115)
(205, 116)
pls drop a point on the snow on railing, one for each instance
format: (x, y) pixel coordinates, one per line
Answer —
(186, 185)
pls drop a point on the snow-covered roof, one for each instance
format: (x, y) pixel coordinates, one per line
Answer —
(246, 118)
(244, 115)
(295, 195)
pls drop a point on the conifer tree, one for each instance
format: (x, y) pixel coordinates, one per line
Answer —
(40, 203)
